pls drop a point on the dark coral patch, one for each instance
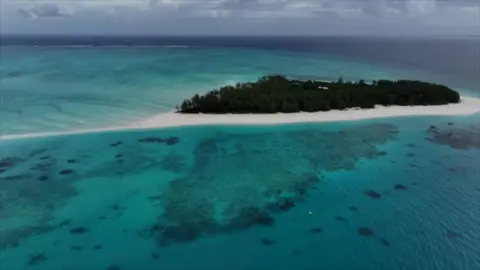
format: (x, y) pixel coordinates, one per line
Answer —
(35, 259)
(300, 190)
(97, 247)
(118, 155)
(43, 167)
(450, 124)
(365, 231)
(186, 232)
(79, 230)
(114, 267)
(45, 157)
(9, 162)
(411, 155)
(281, 205)
(313, 179)
(155, 255)
(185, 217)
(155, 228)
(316, 230)
(151, 140)
(66, 172)
(14, 177)
(178, 227)
(399, 187)
(384, 242)
(172, 140)
(267, 241)
(76, 248)
(251, 216)
(342, 219)
(117, 208)
(65, 222)
(168, 141)
(33, 196)
(42, 178)
(411, 145)
(353, 208)
(372, 194)
(462, 139)
(71, 161)
(297, 252)
(115, 144)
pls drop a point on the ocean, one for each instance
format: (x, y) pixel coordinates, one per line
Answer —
(395, 193)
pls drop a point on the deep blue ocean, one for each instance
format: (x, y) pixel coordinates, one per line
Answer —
(388, 194)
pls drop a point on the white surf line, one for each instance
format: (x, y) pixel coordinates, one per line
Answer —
(466, 106)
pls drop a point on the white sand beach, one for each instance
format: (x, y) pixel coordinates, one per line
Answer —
(468, 105)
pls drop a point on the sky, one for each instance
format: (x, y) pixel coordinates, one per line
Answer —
(241, 17)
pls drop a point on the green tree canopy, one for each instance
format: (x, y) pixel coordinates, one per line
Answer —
(272, 94)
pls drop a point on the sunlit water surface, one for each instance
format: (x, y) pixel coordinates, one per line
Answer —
(396, 193)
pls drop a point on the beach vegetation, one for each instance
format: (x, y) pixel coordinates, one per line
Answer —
(278, 94)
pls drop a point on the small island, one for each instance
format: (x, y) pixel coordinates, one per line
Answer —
(278, 94)
(275, 100)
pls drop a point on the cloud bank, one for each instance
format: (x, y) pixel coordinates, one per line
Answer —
(369, 17)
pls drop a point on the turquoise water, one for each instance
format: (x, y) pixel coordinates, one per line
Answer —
(396, 193)
(377, 194)
(64, 88)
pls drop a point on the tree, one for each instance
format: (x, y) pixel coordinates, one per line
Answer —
(271, 94)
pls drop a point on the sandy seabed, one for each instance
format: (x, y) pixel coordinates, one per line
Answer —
(466, 106)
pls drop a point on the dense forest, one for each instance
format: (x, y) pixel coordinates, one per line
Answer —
(272, 94)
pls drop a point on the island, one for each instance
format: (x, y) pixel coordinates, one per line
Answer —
(274, 100)
(278, 94)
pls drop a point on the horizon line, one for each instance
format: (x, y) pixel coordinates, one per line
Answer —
(239, 35)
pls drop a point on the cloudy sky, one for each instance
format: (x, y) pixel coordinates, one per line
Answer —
(239, 17)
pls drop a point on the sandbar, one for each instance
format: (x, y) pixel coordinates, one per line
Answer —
(467, 106)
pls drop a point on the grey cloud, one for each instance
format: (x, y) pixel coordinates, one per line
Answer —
(373, 7)
(379, 8)
(43, 10)
(459, 2)
(242, 16)
(239, 7)
(24, 13)
(237, 4)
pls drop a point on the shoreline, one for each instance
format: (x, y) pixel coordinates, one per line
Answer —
(467, 106)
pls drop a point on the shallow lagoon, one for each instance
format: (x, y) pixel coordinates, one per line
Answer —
(61, 88)
(391, 193)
